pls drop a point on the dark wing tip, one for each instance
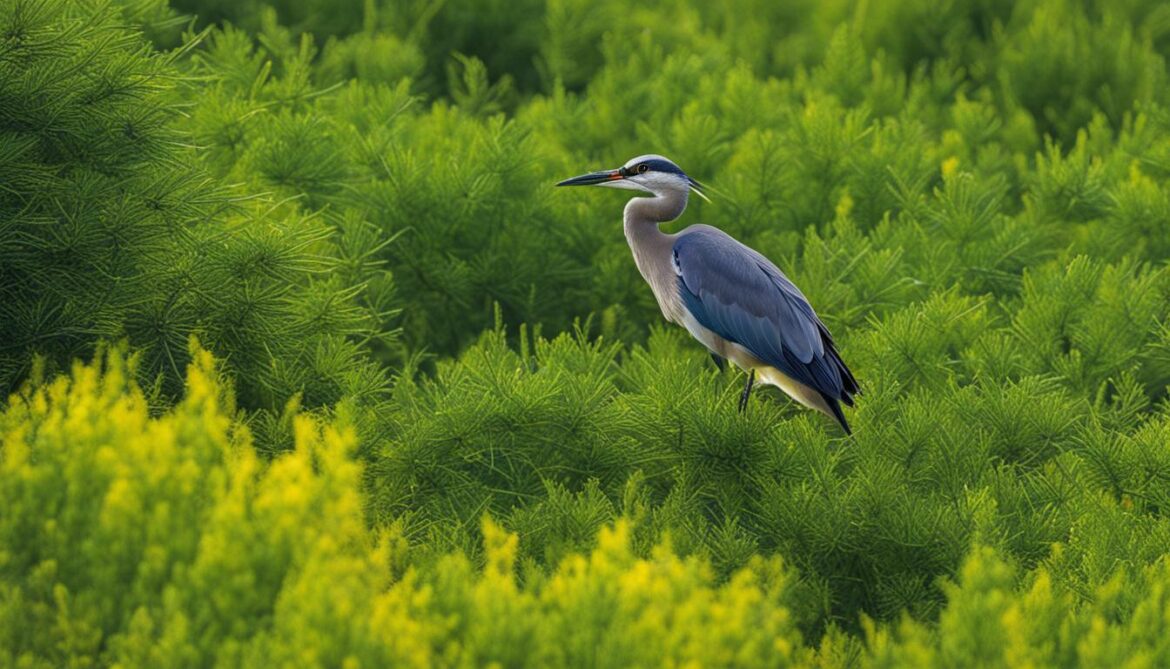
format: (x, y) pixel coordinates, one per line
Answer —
(849, 386)
(835, 407)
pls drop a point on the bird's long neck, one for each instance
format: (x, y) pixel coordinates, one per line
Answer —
(653, 248)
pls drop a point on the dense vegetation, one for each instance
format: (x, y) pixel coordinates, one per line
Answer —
(365, 390)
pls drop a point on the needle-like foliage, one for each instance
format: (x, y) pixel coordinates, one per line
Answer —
(112, 230)
(973, 195)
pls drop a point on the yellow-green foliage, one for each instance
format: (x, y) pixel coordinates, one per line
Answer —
(136, 541)
(993, 620)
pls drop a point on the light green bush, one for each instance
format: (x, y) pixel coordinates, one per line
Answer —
(927, 149)
(172, 544)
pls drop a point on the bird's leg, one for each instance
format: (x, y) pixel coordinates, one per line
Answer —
(721, 364)
(747, 390)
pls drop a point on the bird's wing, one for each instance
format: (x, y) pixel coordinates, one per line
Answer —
(744, 298)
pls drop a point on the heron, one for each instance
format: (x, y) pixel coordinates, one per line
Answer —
(728, 296)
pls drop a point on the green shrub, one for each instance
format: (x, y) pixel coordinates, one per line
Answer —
(130, 540)
(559, 439)
(973, 194)
(926, 154)
(112, 229)
(171, 544)
(92, 198)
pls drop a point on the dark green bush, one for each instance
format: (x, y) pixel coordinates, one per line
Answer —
(112, 230)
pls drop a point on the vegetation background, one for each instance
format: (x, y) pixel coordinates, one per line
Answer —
(362, 389)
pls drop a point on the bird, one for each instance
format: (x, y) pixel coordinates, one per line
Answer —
(728, 296)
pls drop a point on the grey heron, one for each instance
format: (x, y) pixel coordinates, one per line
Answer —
(730, 297)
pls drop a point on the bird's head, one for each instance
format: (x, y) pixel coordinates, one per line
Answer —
(650, 173)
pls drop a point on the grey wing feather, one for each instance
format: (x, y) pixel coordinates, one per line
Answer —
(742, 296)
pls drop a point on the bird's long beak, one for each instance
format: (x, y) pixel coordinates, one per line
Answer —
(698, 189)
(594, 178)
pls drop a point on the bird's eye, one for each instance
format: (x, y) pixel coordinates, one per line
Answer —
(642, 168)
